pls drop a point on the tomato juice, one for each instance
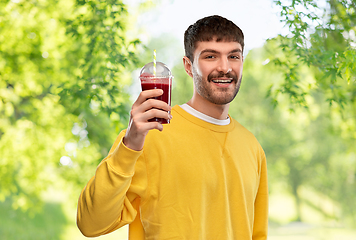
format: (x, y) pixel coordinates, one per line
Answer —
(164, 83)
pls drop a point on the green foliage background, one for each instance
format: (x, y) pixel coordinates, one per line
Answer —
(62, 77)
(65, 81)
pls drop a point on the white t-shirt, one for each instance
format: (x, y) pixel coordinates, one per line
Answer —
(204, 117)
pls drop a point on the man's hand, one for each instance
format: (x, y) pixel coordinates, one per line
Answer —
(145, 108)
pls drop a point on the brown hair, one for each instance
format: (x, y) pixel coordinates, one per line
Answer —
(208, 28)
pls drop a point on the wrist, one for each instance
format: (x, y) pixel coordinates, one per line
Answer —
(127, 143)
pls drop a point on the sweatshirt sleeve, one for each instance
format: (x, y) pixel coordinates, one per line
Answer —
(260, 228)
(106, 202)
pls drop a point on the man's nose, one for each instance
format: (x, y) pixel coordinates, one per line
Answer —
(224, 66)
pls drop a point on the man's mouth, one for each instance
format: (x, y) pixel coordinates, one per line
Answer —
(222, 81)
(222, 78)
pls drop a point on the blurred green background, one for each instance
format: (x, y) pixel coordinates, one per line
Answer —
(67, 82)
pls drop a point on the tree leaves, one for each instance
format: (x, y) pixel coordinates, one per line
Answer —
(323, 40)
(317, 38)
(62, 64)
(100, 27)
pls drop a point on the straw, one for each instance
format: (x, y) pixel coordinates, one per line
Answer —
(154, 62)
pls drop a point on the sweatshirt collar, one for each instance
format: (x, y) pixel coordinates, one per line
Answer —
(196, 120)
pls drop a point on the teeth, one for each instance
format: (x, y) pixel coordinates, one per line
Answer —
(222, 81)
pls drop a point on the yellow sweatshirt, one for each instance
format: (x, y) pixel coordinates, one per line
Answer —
(194, 180)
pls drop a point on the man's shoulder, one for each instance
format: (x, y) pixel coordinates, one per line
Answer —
(239, 126)
(242, 130)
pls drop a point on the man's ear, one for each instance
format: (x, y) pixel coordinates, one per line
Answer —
(187, 65)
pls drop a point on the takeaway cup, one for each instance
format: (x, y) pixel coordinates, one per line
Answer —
(157, 76)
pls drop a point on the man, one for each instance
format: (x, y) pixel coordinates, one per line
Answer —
(204, 175)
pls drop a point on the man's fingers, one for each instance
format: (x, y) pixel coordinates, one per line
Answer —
(138, 120)
(149, 105)
(155, 125)
(144, 95)
(154, 103)
(155, 113)
(138, 129)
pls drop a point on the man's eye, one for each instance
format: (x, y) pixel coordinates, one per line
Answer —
(235, 57)
(209, 57)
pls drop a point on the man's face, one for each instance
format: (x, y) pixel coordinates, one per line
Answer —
(217, 70)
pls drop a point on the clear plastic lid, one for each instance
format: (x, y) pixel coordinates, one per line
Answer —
(161, 70)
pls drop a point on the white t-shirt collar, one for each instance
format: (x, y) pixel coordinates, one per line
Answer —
(204, 117)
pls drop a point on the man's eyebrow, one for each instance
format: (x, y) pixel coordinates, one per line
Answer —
(208, 51)
(236, 50)
(214, 51)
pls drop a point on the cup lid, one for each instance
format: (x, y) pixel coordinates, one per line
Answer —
(161, 70)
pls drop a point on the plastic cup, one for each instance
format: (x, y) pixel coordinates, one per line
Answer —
(161, 80)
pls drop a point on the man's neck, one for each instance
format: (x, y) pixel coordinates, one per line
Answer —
(213, 110)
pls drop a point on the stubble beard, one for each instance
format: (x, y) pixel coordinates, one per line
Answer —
(224, 96)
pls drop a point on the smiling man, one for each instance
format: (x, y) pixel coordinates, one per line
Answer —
(217, 73)
(204, 175)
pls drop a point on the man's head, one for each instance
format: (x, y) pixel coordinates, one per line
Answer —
(214, 59)
(208, 28)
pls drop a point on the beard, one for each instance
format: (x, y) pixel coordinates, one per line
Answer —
(221, 96)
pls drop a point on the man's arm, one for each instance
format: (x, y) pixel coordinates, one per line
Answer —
(260, 228)
(105, 204)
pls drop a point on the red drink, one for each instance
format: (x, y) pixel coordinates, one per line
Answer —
(164, 83)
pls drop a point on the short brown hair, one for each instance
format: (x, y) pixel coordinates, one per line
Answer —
(208, 28)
